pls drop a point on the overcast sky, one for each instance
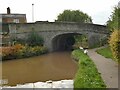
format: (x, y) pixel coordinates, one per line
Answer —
(45, 10)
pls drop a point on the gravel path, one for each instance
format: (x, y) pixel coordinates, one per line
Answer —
(107, 67)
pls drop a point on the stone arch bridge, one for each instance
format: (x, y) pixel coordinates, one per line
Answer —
(55, 34)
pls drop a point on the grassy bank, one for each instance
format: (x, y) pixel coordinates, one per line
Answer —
(87, 75)
(106, 52)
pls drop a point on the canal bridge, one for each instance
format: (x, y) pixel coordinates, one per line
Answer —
(56, 34)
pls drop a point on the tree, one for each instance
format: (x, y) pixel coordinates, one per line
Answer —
(74, 16)
(114, 43)
(114, 25)
(114, 21)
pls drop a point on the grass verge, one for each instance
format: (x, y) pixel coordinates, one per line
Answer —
(87, 75)
(106, 52)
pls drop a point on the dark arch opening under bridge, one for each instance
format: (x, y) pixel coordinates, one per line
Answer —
(64, 42)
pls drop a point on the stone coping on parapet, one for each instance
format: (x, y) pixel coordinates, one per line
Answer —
(65, 22)
(46, 22)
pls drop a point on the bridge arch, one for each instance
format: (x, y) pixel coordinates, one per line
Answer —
(64, 41)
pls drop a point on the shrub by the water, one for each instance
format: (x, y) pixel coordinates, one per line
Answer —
(114, 43)
(34, 39)
(21, 51)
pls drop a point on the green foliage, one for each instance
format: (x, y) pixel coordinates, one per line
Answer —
(80, 40)
(87, 75)
(106, 52)
(74, 16)
(114, 22)
(103, 41)
(114, 43)
(20, 41)
(34, 39)
(22, 51)
(95, 46)
(28, 51)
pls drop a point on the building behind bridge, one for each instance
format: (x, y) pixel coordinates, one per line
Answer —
(9, 18)
(12, 17)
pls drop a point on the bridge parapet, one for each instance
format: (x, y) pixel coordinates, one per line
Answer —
(57, 26)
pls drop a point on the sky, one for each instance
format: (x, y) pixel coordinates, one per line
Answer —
(48, 10)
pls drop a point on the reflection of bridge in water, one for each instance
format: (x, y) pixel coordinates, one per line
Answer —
(57, 35)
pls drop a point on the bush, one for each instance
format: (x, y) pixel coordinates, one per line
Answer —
(21, 51)
(11, 52)
(80, 40)
(7, 52)
(34, 39)
(114, 43)
(19, 41)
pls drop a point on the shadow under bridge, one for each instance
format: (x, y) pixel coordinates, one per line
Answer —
(63, 42)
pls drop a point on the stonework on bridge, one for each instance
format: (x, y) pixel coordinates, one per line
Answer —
(55, 33)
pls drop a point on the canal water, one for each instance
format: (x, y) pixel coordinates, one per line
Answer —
(52, 66)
